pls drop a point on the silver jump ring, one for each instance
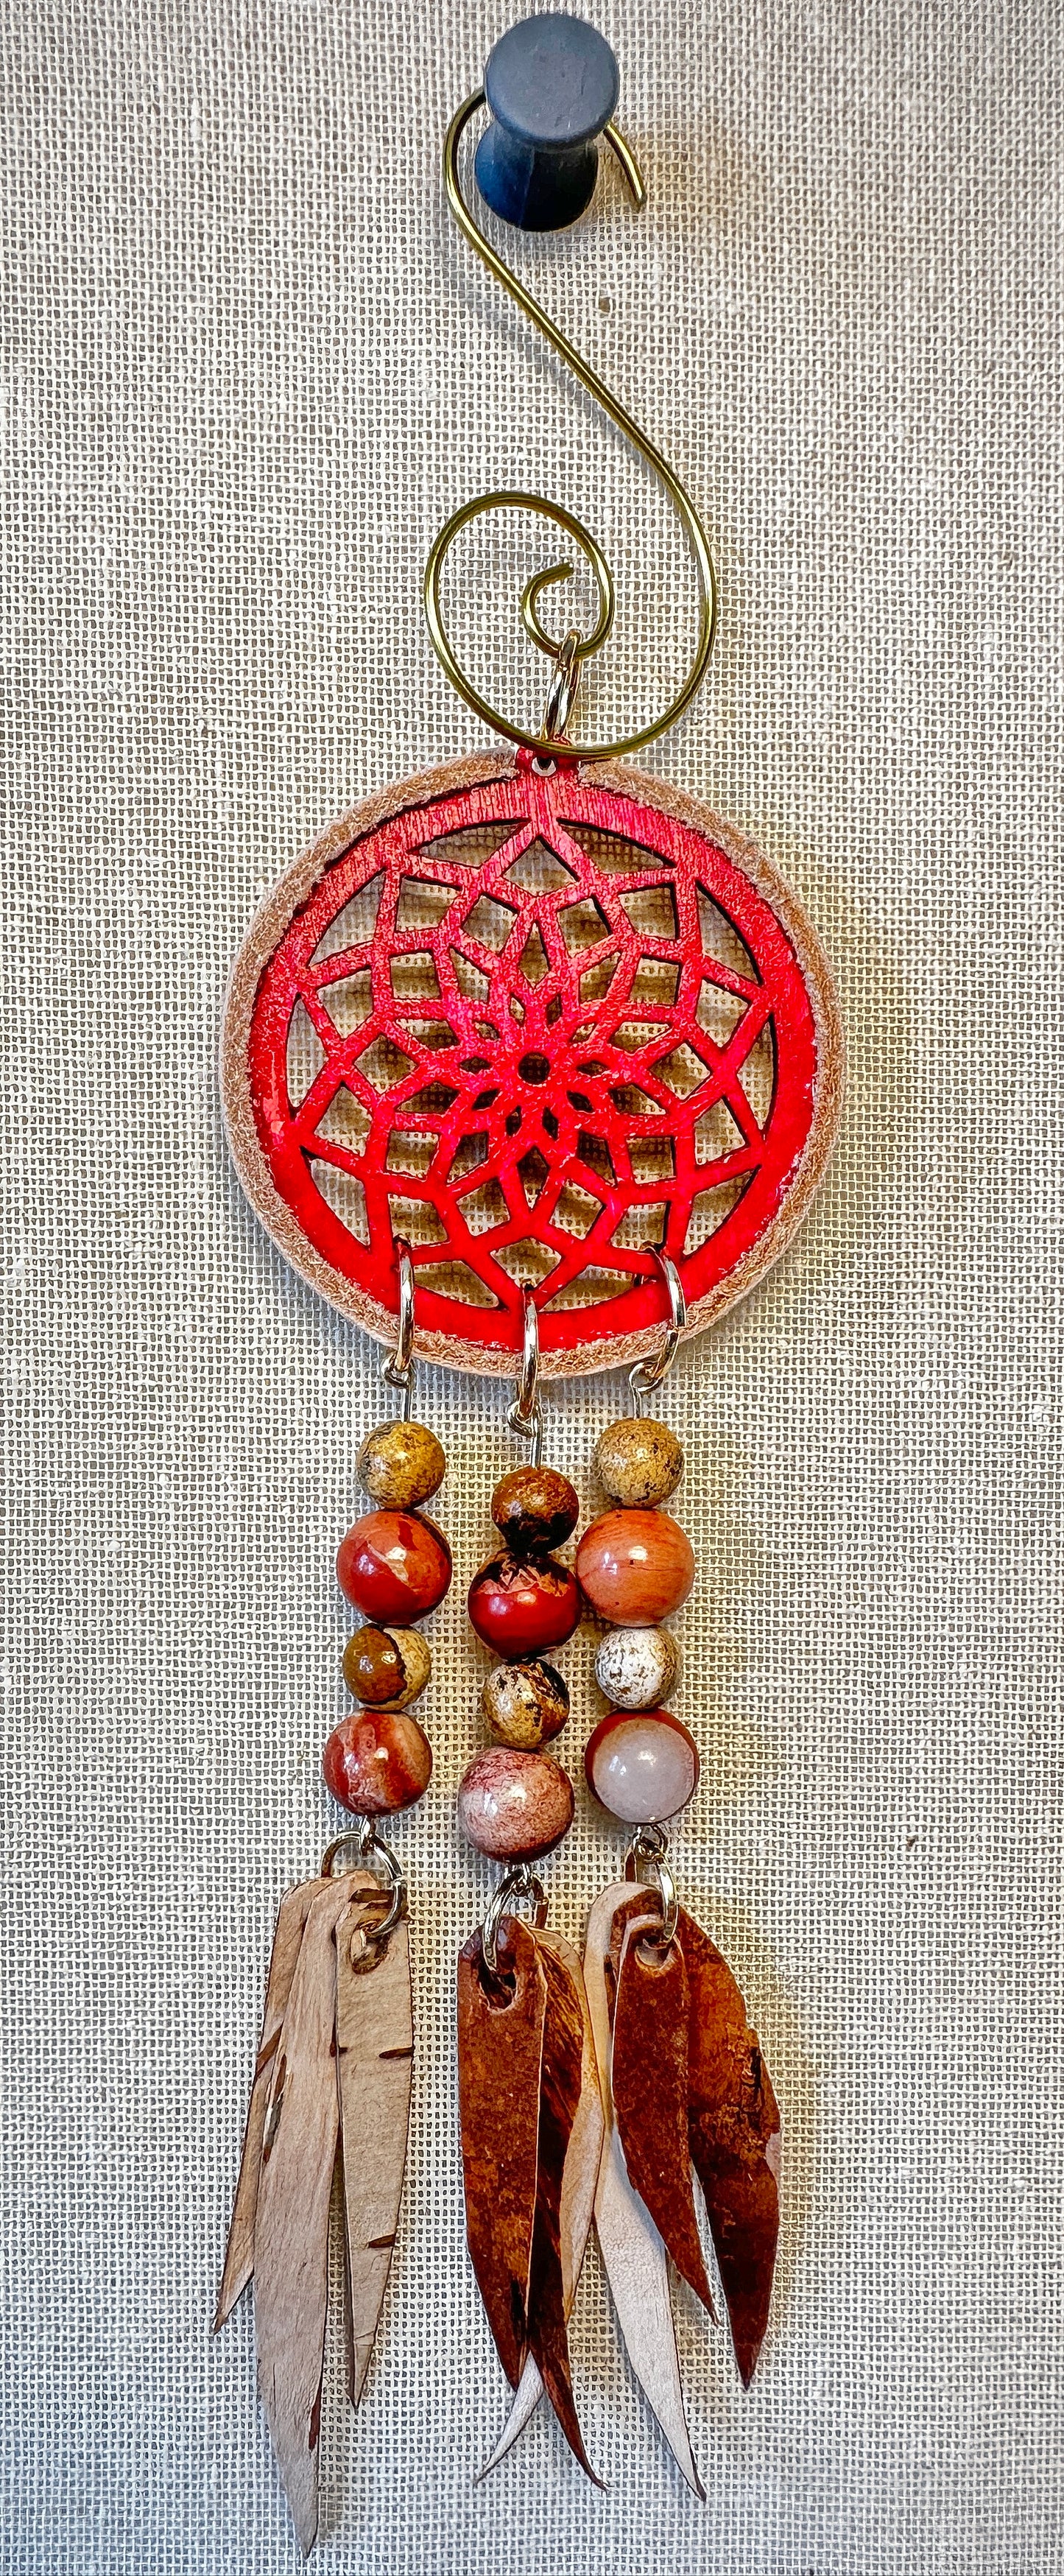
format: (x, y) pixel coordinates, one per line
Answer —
(526, 1412)
(652, 1372)
(647, 1862)
(518, 1882)
(371, 1849)
(561, 696)
(398, 1368)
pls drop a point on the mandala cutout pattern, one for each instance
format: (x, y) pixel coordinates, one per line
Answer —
(534, 1025)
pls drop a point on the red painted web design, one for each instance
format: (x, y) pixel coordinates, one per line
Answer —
(533, 1026)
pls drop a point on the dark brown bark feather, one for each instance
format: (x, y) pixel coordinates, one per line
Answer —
(650, 2091)
(501, 2024)
(734, 2130)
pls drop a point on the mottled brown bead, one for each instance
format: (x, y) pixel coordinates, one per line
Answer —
(635, 1567)
(639, 1463)
(514, 1806)
(534, 1507)
(401, 1464)
(376, 1761)
(525, 1704)
(386, 1667)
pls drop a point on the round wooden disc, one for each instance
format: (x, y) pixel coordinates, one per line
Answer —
(534, 1024)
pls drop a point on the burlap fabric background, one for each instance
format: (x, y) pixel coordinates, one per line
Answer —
(246, 372)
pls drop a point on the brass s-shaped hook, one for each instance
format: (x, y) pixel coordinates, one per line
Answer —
(554, 510)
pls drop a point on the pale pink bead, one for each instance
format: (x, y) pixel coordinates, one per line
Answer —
(643, 1769)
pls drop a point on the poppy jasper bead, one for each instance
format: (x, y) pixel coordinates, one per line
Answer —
(514, 1806)
(394, 1566)
(376, 1761)
(635, 1567)
(520, 1607)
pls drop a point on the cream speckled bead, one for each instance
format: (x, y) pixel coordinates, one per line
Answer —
(639, 1462)
(401, 1464)
(637, 1667)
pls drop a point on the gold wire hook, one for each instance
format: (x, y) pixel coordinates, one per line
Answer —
(707, 583)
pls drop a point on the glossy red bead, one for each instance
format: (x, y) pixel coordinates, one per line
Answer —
(635, 1567)
(520, 1606)
(394, 1566)
(514, 1806)
(376, 1761)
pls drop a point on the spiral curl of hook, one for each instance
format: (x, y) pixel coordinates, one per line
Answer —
(544, 742)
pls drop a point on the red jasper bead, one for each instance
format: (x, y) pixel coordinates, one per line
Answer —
(394, 1566)
(519, 1606)
(376, 1761)
(635, 1567)
(514, 1806)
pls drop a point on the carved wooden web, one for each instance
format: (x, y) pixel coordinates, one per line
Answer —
(534, 1025)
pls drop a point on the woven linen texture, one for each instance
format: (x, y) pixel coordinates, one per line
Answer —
(247, 369)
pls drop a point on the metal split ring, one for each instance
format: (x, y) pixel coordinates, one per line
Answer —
(526, 1412)
(398, 1368)
(372, 1848)
(647, 1862)
(651, 1372)
(561, 696)
(518, 1882)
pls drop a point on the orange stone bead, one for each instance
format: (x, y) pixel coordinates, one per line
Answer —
(376, 1761)
(635, 1567)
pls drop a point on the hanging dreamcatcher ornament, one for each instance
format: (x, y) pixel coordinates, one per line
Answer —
(528, 1060)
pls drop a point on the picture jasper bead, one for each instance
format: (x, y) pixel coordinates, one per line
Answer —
(386, 1667)
(514, 1806)
(394, 1567)
(534, 1507)
(518, 1606)
(401, 1464)
(525, 1704)
(376, 1761)
(639, 1463)
(635, 1567)
(637, 1667)
(643, 1769)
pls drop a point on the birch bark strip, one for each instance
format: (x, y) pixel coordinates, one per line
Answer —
(374, 2059)
(240, 2248)
(292, 2217)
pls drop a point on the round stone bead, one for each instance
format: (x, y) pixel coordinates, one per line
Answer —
(376, 1761)
(643, 1769)
(401, 1464)
(635, 1567)
(525, 1704)
(534, 1507)
(518, 1608)
(639, 1463)
(637, 1667)
(386, 1667)
(394, 1566)
(514, 1806)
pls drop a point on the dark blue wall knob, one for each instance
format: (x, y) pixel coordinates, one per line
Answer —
(551, 85)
